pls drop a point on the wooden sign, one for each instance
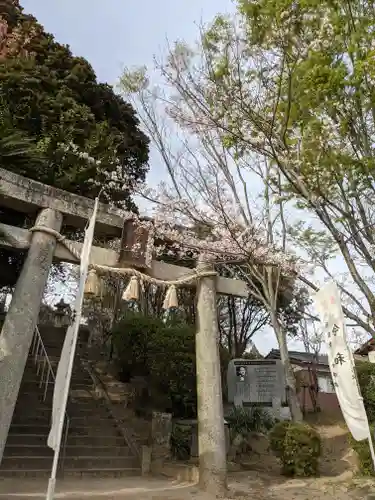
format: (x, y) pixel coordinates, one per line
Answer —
(134, 241)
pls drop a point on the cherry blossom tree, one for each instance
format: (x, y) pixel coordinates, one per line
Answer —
(233, 208)
(292, 85)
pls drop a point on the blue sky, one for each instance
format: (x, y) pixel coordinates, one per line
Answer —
(114, 33)
(118, 33)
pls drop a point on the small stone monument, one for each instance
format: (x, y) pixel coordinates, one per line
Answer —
(161, 430)
(260, 382)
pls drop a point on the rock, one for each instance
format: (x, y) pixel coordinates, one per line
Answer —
(233, 466)
(236, 447)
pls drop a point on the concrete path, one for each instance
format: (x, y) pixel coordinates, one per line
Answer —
(95, 489)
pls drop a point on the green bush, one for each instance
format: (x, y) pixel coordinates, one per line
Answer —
(277, 437)
(131, 337)
(163, 353)
(298, 447)
(245, 420)
(366, 380)
(181, 442)
(362, 450)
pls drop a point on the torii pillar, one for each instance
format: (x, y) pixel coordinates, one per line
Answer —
(211, 432)
(22, 317)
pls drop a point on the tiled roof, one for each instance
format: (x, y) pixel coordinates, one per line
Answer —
(302, 357)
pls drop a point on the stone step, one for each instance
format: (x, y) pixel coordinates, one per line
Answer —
(85, 396)
(81, 463)
(36, 367)
(107, 430)
(33, 378)
(45, 419)
(102, 472)
(31, 439)
(78, 410)
(31, 372)
(35, 389)
(70, 450)
(31, 409)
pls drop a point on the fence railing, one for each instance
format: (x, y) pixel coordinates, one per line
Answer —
(47, 378)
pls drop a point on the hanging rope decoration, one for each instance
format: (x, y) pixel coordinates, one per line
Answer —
(171, 299)
(93, 282)
(131, 292)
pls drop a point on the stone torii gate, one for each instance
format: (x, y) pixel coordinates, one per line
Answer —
(52, 207)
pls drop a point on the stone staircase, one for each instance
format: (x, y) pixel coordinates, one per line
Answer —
(94, 444)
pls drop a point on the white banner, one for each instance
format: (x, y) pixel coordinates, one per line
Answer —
(341, 361)
(64, 370)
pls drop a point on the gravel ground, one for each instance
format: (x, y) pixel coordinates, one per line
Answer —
(242, 486)
(260, 481)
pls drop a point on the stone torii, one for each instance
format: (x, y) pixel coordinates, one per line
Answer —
(51, 208)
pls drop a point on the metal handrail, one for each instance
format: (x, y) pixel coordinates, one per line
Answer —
(47, 375)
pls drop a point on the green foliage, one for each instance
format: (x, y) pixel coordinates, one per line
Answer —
(162, 352)
(298, 447)
(58, 125)
(242, 421)
(291, 307)
(277, 437)
(181, 442)
(366, 380)
(317, 244)
(362, 450)
(18, 151)
(89, 136)
(300, 77)
(131, 337)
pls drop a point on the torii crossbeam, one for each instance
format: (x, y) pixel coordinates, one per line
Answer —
(52, 207)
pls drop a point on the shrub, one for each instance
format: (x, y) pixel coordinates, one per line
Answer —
(277, 437)
(131, 337)
(366, 380)
(362, 450)
(298, 447)
(181, 442)
(245, 420)
(163, 353)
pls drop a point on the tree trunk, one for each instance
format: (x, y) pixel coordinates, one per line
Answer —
(290, 380)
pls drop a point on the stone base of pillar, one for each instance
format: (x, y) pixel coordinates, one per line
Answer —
(146, 454)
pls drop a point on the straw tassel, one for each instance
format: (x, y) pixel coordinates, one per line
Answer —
(171, 300)
(132, 290)
(93, 284)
